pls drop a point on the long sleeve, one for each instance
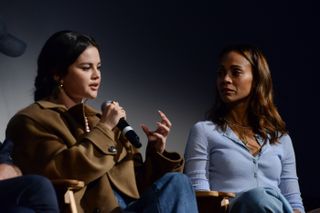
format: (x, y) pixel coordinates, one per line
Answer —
(197, 159)
(51, 140)
(289, 185)
(46, 141)
(155, 166)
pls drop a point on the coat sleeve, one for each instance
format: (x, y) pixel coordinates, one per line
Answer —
(55, 153)
(155, 166)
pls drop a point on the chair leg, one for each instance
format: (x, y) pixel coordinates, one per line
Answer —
(69, 199)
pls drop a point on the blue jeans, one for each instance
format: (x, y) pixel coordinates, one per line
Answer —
(260, 200)
(172, 193)
(28, 193)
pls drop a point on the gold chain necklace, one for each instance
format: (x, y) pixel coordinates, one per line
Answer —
(241, 130)
(245, 133)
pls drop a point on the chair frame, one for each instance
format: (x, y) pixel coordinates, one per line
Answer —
(213, 201)
(68, 187)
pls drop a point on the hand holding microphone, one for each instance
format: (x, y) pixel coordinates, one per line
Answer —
(111, 114)
(117, 118)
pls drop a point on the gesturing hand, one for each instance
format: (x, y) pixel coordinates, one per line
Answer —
(158, 138)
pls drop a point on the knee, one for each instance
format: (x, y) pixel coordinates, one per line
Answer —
(254, 194)
(254, 199)
(177, 177)
(37, 179)
(178, 181)
(42, 183)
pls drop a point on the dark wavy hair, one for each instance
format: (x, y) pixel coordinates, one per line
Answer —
(263, 115)
(60, 51)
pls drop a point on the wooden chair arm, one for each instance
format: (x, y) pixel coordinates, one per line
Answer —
(215, 194)
(213, 201)
(71, 184)
(65, 189)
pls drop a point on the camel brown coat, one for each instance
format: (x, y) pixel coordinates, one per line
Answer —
(50, 140)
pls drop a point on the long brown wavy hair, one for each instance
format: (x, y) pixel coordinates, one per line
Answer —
(263, 115)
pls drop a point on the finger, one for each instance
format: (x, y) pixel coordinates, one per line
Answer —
(145, 129)
(114, 108)
(163, 128)
(159, 136)
(114, 103)
(156, 136)
(108, 103)
(164, 119)
(108, 108)
(123, 114)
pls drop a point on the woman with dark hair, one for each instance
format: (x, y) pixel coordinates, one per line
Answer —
(244, 147)
(60, 137)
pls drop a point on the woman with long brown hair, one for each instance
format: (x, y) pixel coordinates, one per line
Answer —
(244, 146)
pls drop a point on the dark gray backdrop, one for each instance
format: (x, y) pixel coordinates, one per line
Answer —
(162, 55)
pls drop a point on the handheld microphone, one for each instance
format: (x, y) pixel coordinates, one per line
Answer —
(126, 130)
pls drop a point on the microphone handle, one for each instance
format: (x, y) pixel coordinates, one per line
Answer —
(126, 129)
(133, 138)
(129, 133)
